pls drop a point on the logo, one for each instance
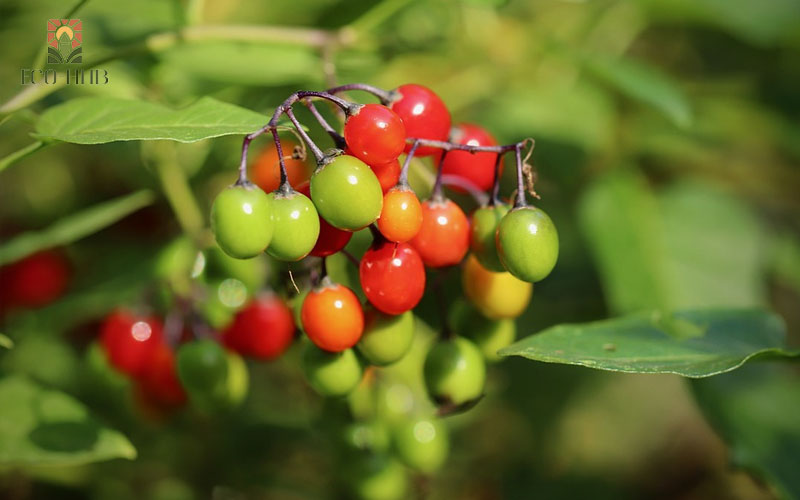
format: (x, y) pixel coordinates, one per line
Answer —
(64, 40)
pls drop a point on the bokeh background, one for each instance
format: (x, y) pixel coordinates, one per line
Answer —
(668, 155)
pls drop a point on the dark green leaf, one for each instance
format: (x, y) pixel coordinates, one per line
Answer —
(756, 410)
(697, 343)
(75, 226)
(644, 83)
(96, 120)
(40, 426)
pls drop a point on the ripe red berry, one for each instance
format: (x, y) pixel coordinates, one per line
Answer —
(388, 174)
(330, 239)
(332, 317)
(443, 238)
(392, 276)
(424, 115)
(478, 168)
(375, 134)
(159, 382)
(131, 341)
(401, 215)
(264, 329)
(35, 280)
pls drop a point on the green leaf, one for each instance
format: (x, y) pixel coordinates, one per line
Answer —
(691, 343)
(96, 120)
(6, 342)
(756, 410)
(643, 83)
(620, 218)
(75, 226)
(40, 426)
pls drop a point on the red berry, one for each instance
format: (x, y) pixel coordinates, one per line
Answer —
(330, 239)
(159, 382)
(388, 174)
(332, 317)
(401, 215)
(35, 280)
(424, 115)
(131, 341)
(264, 329)
(392, 276)
(375, 134)
(443, 239)
(478, 168)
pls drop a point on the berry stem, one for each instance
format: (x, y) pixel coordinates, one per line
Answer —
(284, 185)
(520, 202)
(451, 146)
(385, 96)
(438, 194)
(403, 180)
(318, 154)
(338, 139)
(494, 199)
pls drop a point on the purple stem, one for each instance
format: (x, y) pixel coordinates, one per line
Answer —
(385, 96)
(403, 181)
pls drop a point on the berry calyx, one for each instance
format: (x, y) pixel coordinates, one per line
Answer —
(401, 215)
(332, 374)
(130, 341)
(296, 225)
(482, 240)
(332, 317)
(424, 115)
(346, 193)
(477, 168)
(266, 172)
(422, 444)
(386, 338)
(454, 372)
(527, 243)
(330, 239)
(241, 218)
(443, 238)
(263, 329)
(392, 276)
(375, 134)
(495, 295)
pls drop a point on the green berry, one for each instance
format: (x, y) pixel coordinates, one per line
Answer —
(376, 477)
(367, 436)
(296, 226)
(386, 338)
(238, 380)
(202, 366)
(527, 242)
(332, 374)
(483, 232)
(346, 193)
(241, 218)
(488, 335)
(422, 444)
(454, 371)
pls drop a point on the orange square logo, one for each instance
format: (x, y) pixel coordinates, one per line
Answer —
(64, 40)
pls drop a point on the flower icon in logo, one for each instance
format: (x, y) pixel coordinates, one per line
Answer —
(64, 39)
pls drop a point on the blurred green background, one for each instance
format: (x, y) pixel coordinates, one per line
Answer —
(668, 155)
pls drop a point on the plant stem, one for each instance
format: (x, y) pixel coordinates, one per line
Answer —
(403, 181)
(438, 194)
(451, 146)
(318, 154)
(336, 136)
(385, 96)
(520, 202)
(494, 199)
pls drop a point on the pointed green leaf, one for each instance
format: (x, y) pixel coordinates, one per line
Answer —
(74, 227)
(40, 426)
(693, 343)
(96, 120)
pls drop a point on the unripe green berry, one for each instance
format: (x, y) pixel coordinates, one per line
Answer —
(386, 338)
(241, 218)
(422, 444)
(346, 193)
(296, 226)
(527, 242)
(454, 371)
(483, 234)
(333, 374)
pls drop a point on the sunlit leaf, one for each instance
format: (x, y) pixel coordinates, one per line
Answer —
(697, 343)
